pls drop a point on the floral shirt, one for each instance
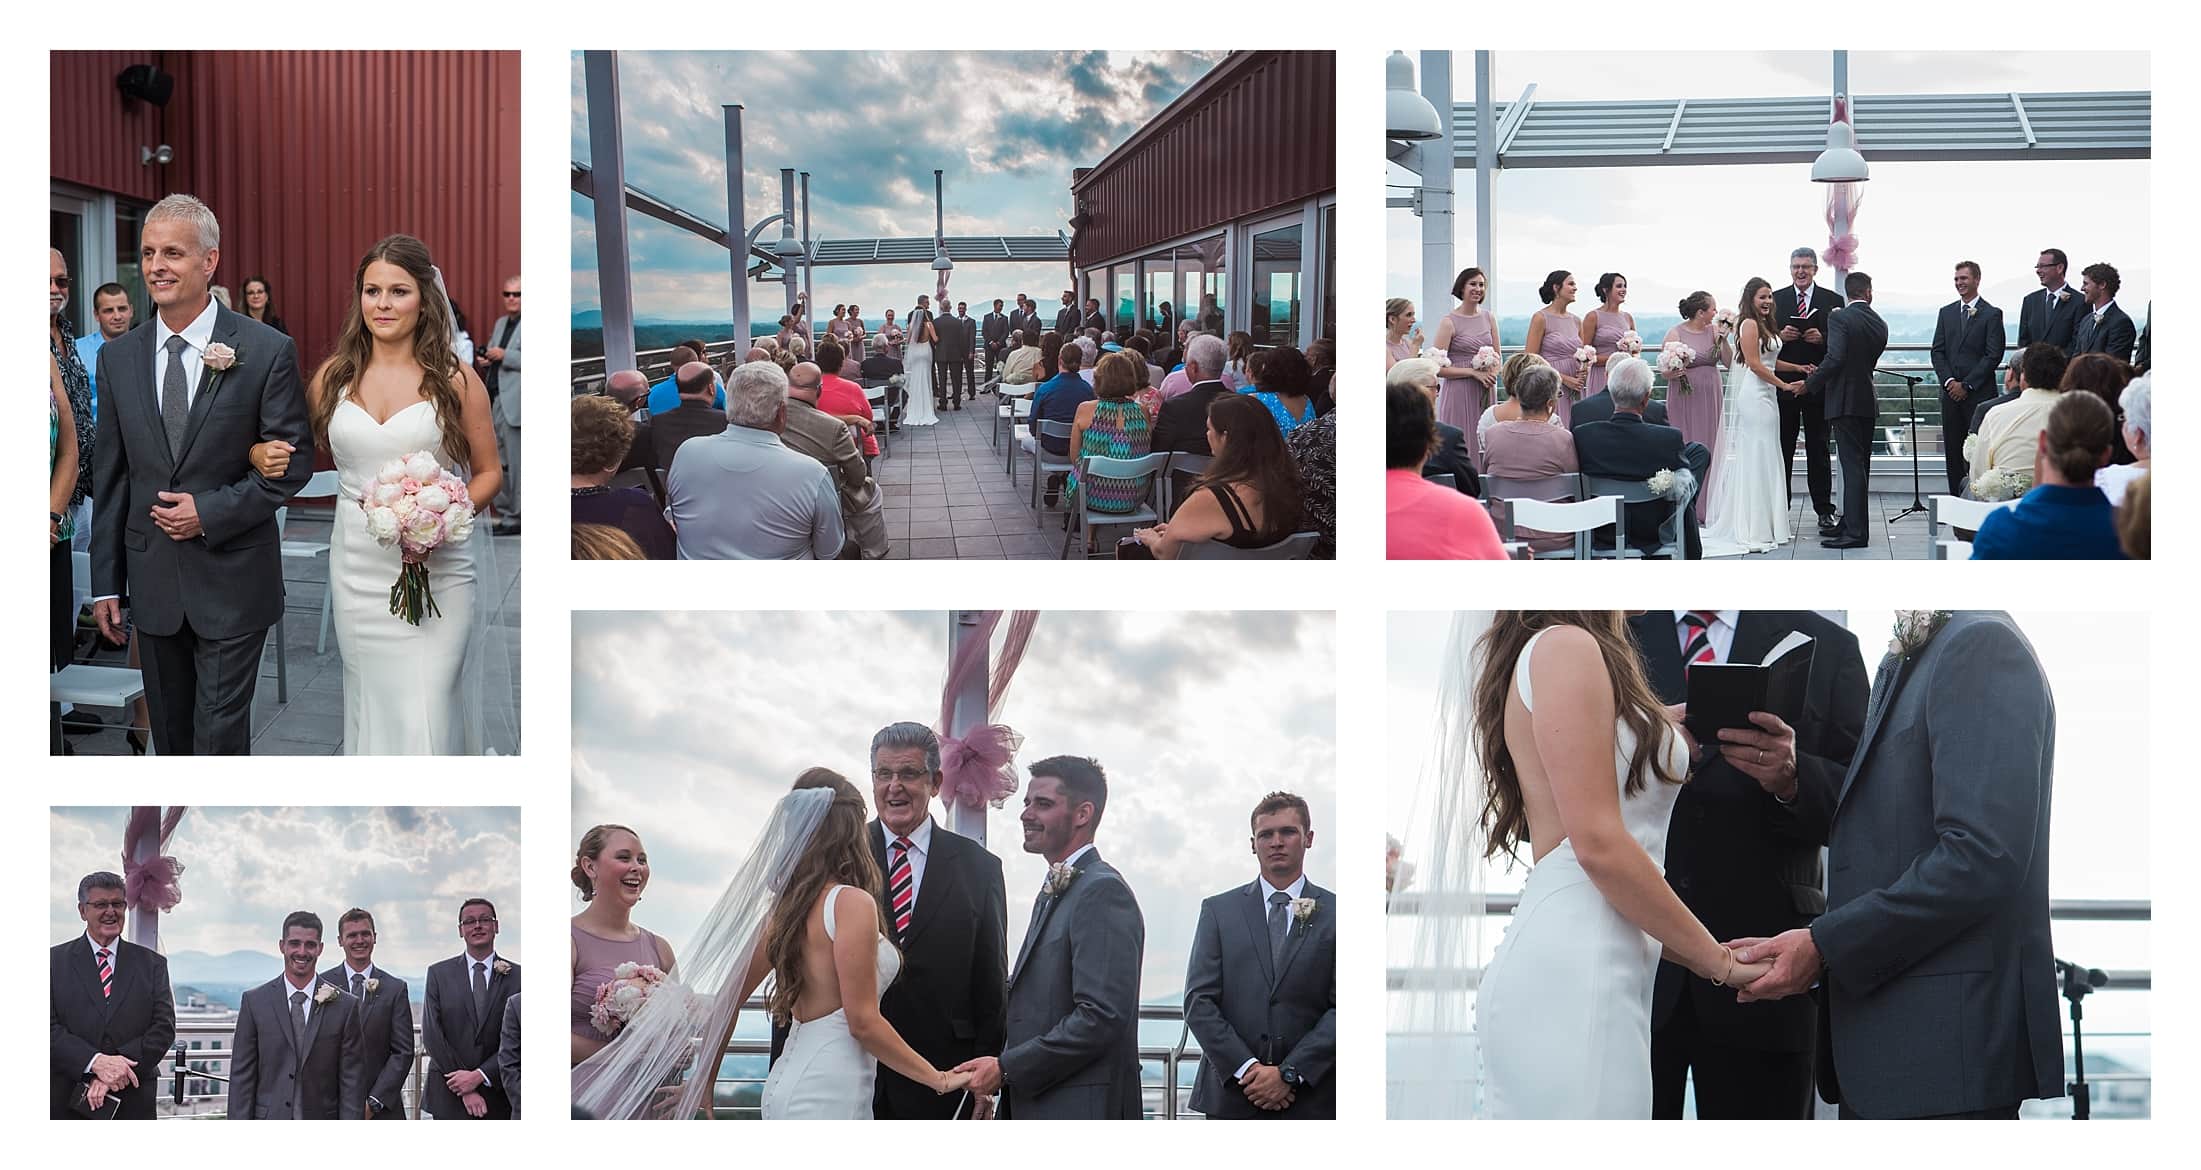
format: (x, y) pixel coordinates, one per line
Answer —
(78, 384)
(1314, 448)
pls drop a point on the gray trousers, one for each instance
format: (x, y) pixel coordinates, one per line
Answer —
(508, 452)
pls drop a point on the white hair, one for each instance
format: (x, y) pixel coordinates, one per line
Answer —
(1415, 372)
(1207, 353)
(197, 214)
(756, 394)
(1088, 347)
(1629, 379)
(2135, 402)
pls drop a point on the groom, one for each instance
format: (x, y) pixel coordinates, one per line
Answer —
(296, 1052)
(1938, 988)
(185, 530)
(1072, 1046)
(1856, 336)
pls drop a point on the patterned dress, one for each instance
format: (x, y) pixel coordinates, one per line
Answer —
(1120, 429)
(1286, 422)
(79, 387)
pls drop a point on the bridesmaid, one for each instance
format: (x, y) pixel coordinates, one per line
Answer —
(610, 869)
(1693, 396)
(893, 334)
(1401, 339)
(1462, 332)
(1603, 325)
(1556, 334)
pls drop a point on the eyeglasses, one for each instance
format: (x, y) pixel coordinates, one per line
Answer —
(61, 282)
(905, 775)
(109, 904)
(471, 923)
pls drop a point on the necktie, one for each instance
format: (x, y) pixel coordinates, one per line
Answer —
(1696, 639)
(359, 986)
(175, 396)
(1279, 913)
(1967, 314)
(481, 988)
(106, 973)
(901, 888)
(298, 1015)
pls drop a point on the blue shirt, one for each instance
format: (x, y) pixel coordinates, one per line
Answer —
(87, 351)
(665, 397)
(1285, 423)
(1061, 408)
(2052, 523)
(1058, 382)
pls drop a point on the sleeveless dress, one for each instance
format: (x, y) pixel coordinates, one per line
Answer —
(1562, 336)
(594, 959)
(1286, 422)
(1242, 532)
(917, 409)
(1564, 1009)
(1748, 507)
(1120, 429)
(822, 1073)
(1607, 340)
(1461, 401)
(1696, 413)
(408, 690)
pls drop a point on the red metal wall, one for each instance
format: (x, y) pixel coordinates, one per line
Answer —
(1258, 133)
(309, 158)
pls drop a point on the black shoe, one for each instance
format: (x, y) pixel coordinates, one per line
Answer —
(1843, 542)
(1829, 523)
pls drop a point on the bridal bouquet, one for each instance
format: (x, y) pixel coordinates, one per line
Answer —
(2000, 483)
(1486, 359)
(1630, 343)
(617, 1001)
(1724, 321)
(1675, 357)
(416, 506)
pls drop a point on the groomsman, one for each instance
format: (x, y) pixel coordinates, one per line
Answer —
(1025, 317)
(1066, 318)
(112, 1015)
(2052, 312)
(959, 354)
(461, 1020)
(1968, 341)
(2105, 328)
(295, 1055)
(508, 1053)
(1803, 309)
(385, 1008)
(997, 336)
(1261, 985)
(1742, 852)
(1093, 317)
(947, 907)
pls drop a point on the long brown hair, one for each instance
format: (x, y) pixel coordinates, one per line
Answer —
(1505, 812)
(440, 377)
(1254, 453)
(1749, 312)
(839, 854)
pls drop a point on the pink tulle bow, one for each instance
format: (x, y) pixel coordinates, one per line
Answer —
(979, 768)
(1842, 251)
(153, 885)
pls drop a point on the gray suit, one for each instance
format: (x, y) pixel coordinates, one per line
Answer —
(1940, 981)
(1072, 1044)
(1856, 336)
(203, 605)
(508, 414)
(1243, 1004)
(508, 1053)
(385, 1040)
(276, 1073)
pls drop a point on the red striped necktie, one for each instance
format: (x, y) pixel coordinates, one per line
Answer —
(1696, 638)
(106, 973)
(901, 889)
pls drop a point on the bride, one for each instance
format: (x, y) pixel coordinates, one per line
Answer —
(1586, 781)
(393, 387)
(1748, 508)
(917, 368)
(805, 910)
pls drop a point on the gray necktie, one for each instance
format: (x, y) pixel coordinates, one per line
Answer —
(175, 397)
(1279, 911)
(481, 989)
(298, 1017)
(359, 986)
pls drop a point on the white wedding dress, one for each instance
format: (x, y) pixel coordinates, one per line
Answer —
(1748, 509)
(1564, 1008)
(408, 690)
(822, 1073)
(917, 408)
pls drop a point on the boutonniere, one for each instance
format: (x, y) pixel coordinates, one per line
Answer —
(219, 359)
(373, 985)
(1302, 910)
(1059, 877)
(501, 967)
(325, 993)
(1914, 628)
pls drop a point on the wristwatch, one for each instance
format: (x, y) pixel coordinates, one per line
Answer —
(1292, 1077)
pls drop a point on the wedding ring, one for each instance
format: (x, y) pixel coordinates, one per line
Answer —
(1761, 755)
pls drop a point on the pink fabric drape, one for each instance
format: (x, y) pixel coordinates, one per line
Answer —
(151, 884)
(979, 767)
(1843, 200)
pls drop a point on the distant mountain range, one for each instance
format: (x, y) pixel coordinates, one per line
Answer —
(222, 978)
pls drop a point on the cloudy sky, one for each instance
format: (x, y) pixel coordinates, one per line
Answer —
(1673, 230)
(246, 868)
(688, 726)
(1007, 127)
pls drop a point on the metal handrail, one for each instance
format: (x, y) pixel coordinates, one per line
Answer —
(178, 1061)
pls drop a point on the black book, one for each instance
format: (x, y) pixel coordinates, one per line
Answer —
(1724, 694)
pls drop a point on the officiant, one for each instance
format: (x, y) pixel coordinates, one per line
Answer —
(1743, 853)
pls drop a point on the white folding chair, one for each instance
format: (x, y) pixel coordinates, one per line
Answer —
(1083, 520)
(1579, 517)
(87, 685)
(1957, 512)
(880, 415)
(1636, 491)
(1184, 467)
(1045, 462)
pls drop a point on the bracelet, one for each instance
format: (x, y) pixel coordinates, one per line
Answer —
(1722, 980)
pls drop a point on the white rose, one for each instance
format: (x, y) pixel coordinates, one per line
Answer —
(382, 525)
(459, 525)
(423, 467)
(386, 494)
(392, 471)
(433, 498)
(404, 506)
(424, 527)
(625, 970)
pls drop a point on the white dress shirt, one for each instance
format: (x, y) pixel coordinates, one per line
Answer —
(920, 848)
(196, 336)
(1721, 631)
(1081, 851)
(2105, 308)
(366, 972)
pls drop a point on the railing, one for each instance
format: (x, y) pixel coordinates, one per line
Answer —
(198, 1078)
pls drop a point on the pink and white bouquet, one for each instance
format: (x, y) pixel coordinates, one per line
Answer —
(1486, 359)
(1585, 354)
(1675, 357)
(621, 996)
(1723, 322)
(416, 506)
(1630, 343)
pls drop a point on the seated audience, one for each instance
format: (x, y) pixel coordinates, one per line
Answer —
(1250, 496)
(2116, 479)
(2009, 438)
(601, 542)
(844, 399)
(1628, 446)
(1182, 423)
(1423, 521)
(1022, 365)
(823, 436)
(2038, 364)
(1322, 359)
(2064, 516)
(1314, 449)
(2132, 517)
(1530, 447)
(1284, 385)
(1113, 424)
(1450, 456)
(602, 434)
(2105, 378)
(742, 494)
(691, 417)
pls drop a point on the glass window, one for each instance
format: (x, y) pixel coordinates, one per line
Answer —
(1127, 298)
(129, 224)
(1161, 293)
(1205, 277)
(1276, 287)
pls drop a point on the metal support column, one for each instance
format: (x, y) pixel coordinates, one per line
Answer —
(614, 287)
(1436, 163)
(1486, 171)
(737, 213)
(788, 276)
(809, 296)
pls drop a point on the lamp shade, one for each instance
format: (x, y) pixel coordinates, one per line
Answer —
(1840, 162)
(941, 263)
(1407, 115)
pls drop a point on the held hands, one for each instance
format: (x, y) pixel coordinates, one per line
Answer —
(1766, 754)
(272, 458)
(464, 1081)
(177, 514)
(1954, 389)
(952, 1080)
(1264, 1086)
(112, 1073)
(1795, 965)
(985, 1075)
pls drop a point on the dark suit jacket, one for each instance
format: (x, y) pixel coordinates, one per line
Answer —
(1599, 406)
(1450, 458)
(2115, 335)
(1824, 303)
(1094, 321)
(385, 1039)
(228, 581)
(964, 332)
(1066, 319)
(456, 1038)
(1026, 321)
(1744, 863)
(1940, 979)
(1071, 1046)
(1182, 423)
(689, 420)
(1626, 447)
(1968, 351)
(1244, 1005)
(508, 1053)
(951, 999)
(2037, 323)
(1856, 337)
(138, 1020)
(274, 1076)
(996, 328)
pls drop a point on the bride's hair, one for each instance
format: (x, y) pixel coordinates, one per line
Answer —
(440, 375)
(1767, 330)
(839, 854)
(1505, 814)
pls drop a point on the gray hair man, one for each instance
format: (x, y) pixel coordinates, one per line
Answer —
(743, 494)
(828, 440)
(631, 389)
(1181, 424)
(1629, 380)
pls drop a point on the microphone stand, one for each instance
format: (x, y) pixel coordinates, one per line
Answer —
(2077, 983)
(1910, 392)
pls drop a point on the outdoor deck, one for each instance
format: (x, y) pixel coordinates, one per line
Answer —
(947, 494)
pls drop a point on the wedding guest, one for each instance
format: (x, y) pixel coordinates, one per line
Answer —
(1021, 367)
(1143, 345)
(503, 355)
(1967, 347)
(611, 869)
(1322, 360)
(462, 1020)
(696, 411)
(1450, 455)
(2008, 439)
(1050, 357)
(1250, 496)
(601, 542)
(260, 304)
(112, 1015)
(2037, 364)
(462, 341)
(743, 494)
(827, 439)
(1424, 521)
(112, 310)
(1693, 396)
(1508, 410)
(1628, 446)
(2050, 314)
(2064, 516)
(1261, 980)
(1211, 315)
(1314, 451)
(61, 344)
(1070, 361)
(1603, 327)
(1401, 338)
(1169, 359)
(602, 435)
(1555, 334)
(845, 400)
(61, 525)
(2132, 519)
(1182, 423)
(1286, 388)
(2104, 328)
(383, 1008)
(508, 1053)
(2115, 479)
(1241, 357)
(1530, 447)
(1111, 424)
(2105, 377)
